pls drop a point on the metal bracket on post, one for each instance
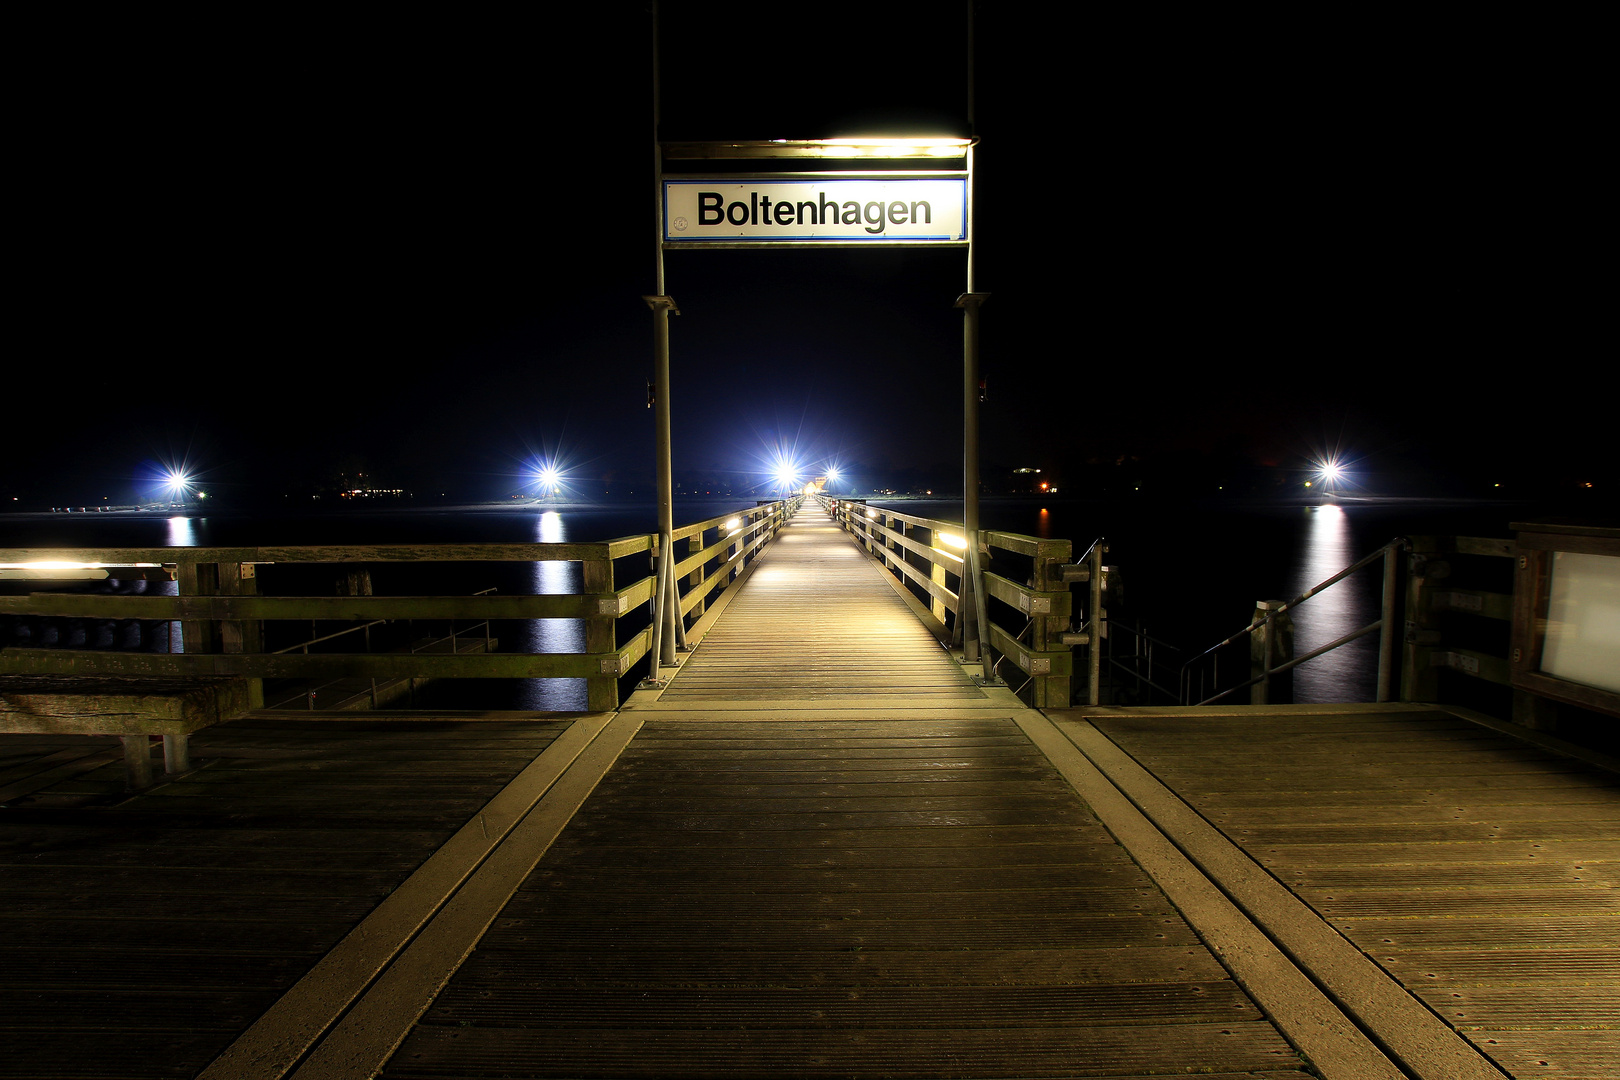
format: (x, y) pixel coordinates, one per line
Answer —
(987, 656)
(654, 657)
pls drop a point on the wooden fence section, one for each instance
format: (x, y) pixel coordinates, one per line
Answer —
(1476, 869)
(927, 555)
(221, 609)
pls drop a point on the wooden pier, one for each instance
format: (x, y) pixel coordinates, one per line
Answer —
(820, 849)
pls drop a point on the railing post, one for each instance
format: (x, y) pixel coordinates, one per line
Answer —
(1050, 691)
(936, 574)
(242, 635)
(1260, 654)
(602, 692)
(198, 579)
(1274, 645)
(695, 580)
(1420, 679)
(1387, 624)
(1097, 624)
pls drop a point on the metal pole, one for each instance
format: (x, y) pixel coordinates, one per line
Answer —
(663, 649)
(662, 307)
(1386, 629)
(974, 641)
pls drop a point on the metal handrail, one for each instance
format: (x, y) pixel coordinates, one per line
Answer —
(328, 637)
(1267, 625)
(1135, 670)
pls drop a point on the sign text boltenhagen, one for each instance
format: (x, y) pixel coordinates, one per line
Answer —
(859, 212)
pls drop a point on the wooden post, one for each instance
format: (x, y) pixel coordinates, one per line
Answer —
(1263, 650)
(1420, 679)
(694, 544)
(1391, 629)
(936, 574)
(602, 692)
(1098, 624)
(198, 579)
(137, 761)
(1051, 691)
(177, 749)
(241, 635)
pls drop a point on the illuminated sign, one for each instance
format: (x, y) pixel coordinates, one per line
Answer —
(824, 210)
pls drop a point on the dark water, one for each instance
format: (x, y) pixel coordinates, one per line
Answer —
(1189, 574)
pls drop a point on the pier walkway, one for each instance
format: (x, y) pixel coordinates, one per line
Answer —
(820, 850)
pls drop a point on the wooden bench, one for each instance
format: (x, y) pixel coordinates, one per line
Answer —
(130, 707)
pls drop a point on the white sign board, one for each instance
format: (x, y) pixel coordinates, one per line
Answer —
(852, 212)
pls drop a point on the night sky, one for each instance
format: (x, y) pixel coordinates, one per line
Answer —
(416, 247)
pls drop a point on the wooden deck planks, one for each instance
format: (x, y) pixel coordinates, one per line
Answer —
(701, 916)
(142, 935)
(1478, 871)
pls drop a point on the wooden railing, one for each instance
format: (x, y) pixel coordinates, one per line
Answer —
(1033, 634)
(222, 611)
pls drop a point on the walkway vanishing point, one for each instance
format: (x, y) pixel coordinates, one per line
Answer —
(821, 851)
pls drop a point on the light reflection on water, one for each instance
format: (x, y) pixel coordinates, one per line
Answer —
(1349, 672)
(552, 635)
(181, 533)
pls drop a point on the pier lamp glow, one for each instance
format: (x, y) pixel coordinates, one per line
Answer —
(881, 147)
(549, 479)
(1329, 473)
(176, 481)
(786, 473)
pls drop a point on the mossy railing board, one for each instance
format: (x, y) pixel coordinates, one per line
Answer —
(419, 665)
(328, 608)
(338, 553)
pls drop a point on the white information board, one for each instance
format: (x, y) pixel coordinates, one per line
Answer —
(839, 212)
